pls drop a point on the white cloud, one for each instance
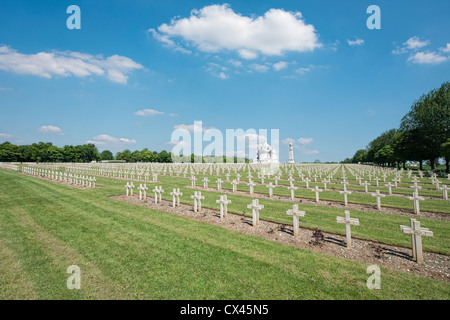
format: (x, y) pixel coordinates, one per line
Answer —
(148, 112)
(235, 63)
(302, 70)
(427, 58)
(301, 145)
(446, 49)
(287, 141)
(173, 114)
(105, 140)
(5, 136)
(259, 67)
(217, 70)
(5, 89)
(357, 42)
(305, 141)
(190, 127)
(50, 130)
(412, 43)
(280, 65)
(415, 43)
(217, 27)
(47, 65)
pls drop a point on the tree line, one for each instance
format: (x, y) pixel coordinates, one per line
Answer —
(423, 135)
(47, 152)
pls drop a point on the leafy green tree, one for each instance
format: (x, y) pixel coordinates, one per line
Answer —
(106, 155)
(446, 154)
(430, 118)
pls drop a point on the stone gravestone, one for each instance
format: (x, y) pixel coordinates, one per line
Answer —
(316, 190)
(296, 214)
(348, 222)
(176, 197)
(256, 207)
(416, 233)
(197, 201)
(379, 196)
(224, 202)
(415, 198)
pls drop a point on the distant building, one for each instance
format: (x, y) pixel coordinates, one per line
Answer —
(266, 154)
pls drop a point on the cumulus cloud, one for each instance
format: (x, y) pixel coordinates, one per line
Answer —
(357, 42)
(190, 127)
(415, 43)
(301, 144)
(427, 58)
(105, 140)
(217, 27)
(446, 49)
(305, 141)
(148, 112)
(280, 65)
(50, 130)
(49, 64)
(5, 136)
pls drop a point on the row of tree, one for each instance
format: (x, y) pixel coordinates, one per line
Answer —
(47, 152)
(423, 135)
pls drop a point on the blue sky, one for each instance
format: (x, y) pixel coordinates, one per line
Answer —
(137, 70)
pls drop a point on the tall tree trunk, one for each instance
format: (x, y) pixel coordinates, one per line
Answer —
(420, 165)
(447, 165)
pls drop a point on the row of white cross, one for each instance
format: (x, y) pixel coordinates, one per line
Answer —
(84, 181)
(414, 229)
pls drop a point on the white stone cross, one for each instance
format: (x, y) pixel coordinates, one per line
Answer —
(345, 193)
(205, 182)
(270, 186)
(316, 190)
(197, 201)
(176, 197)
(416, 233)
(444, 189)
(415, 197)
(193, 178)
(348, 222)
(158, 192)
(234, 183)
(366, 184)
(379, 196)
(224, 202)
(292, 188)
(141, 189)
(131, 187)
(219, 184)
(296, 214)
(416, 187)
(307, 180)
(255, 206)
(389, 185)
(127, 186)
(251, 184)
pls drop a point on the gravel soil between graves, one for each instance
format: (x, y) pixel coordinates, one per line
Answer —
(334, 204)
(435, 266)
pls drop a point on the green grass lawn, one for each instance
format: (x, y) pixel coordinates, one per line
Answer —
(126, 251)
